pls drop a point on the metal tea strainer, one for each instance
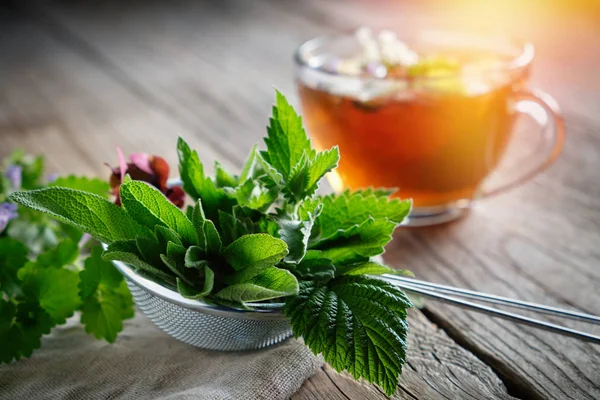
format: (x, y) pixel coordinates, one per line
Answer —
(205, 325)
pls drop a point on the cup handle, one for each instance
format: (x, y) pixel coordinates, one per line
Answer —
(544, 110)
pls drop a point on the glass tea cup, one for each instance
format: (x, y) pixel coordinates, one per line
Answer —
(436, 129)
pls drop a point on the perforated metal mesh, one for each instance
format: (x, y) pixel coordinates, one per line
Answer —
(209, 331)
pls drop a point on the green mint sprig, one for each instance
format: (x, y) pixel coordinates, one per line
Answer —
(263, 235)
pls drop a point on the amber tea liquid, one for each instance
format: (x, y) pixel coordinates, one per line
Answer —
(435, 147)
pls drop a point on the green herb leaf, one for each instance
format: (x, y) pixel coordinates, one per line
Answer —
(21, 328)
(55, 289)
(13, 256)
(287, 141)
(271, 283)
(358, 242)
(90, 185)
(369, 268)
(357, 323)
(251, 254)
(313, 267)
(213, 239)
(65, 253)
(106, 299)
(295, 229)
(252, 194)
(127, 252)
(343, 211)
(223, 178)
(195, 257)
(149, 207)
(197, 185)
(88, 212)
(323, 162)
(194, 293)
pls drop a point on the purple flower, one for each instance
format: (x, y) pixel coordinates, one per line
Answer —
(8, 211)
(14, 174)
(52, 177)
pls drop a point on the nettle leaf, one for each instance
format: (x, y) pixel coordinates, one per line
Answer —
(286, 141)
(251, 254)
(369, 268)
(347, 209)
(90, 185)
(127, 252)
(194, 292)
(88, 212)
(271, 283)
(106, 299)
(149, 207)
(358, 324)
(358, 242)
(13, 256)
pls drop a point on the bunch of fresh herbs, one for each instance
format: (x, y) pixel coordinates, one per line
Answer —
(48, 269)
(262, 235)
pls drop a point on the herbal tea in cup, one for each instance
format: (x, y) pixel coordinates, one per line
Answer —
(431, 119)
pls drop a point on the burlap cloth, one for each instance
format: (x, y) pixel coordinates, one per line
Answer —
(146, 363)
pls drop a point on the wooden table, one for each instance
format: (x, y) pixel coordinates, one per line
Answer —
(79, 78)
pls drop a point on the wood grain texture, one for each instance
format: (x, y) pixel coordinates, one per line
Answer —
(83, 77)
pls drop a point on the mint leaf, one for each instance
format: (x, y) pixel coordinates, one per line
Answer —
(90, 185)
(369, 268)
(271, 283)
(106, 299)
(88, 212)
(197, 185)
(13, 255)
(287, 141)
(358, 242)
(250, 254)
(195, 292)
(295, 229)
(313, 267)
(127, 252)
(149, 207)
(343, 211)
(357, 323)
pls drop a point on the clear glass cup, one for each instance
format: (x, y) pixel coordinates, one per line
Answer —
(436, 138)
